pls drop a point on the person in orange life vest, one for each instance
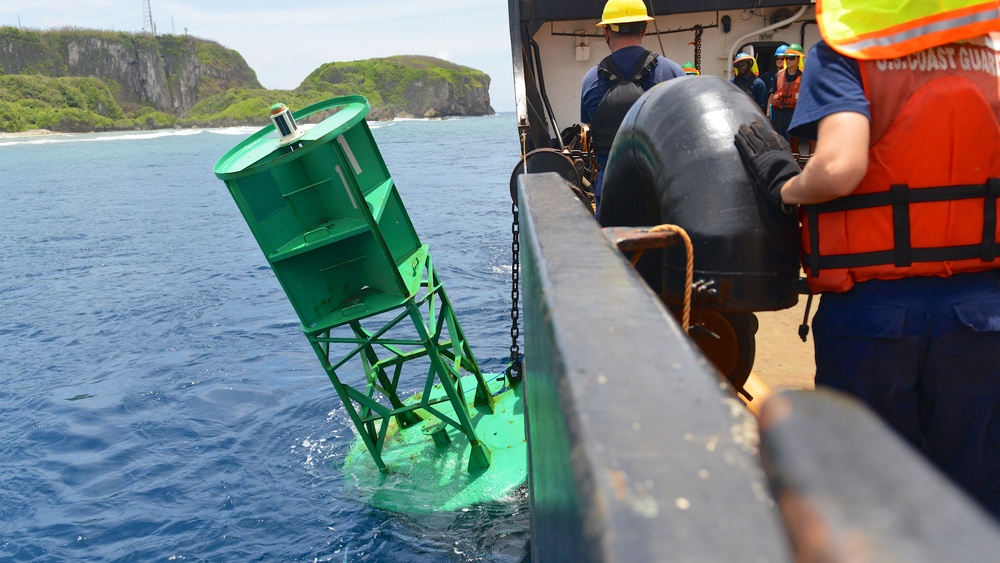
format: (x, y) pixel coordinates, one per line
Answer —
(784, 94)
(899, 235)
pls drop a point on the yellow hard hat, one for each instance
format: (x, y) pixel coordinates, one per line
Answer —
(624, 11)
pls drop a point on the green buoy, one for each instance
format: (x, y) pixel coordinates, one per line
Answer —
(327, 216)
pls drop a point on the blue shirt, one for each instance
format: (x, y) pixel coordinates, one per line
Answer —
(831, 83)
(753, 86)
(594, 87)
(770, 79)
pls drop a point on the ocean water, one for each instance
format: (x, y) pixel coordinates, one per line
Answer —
(159, 402)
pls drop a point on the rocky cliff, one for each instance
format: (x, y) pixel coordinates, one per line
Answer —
(169, 73)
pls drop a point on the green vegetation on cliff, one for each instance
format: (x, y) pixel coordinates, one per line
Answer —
(48, 53)
(69, 104)
(389, 82)
(394, 86)
(243, 106)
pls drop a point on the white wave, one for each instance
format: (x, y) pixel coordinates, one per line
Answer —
(60, 138)
(448, 118)
(249, 129)
(239, 131)
(242, 131)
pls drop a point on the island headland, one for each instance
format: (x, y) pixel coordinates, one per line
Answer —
(77, 80)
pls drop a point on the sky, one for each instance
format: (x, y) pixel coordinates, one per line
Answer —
(285, 41)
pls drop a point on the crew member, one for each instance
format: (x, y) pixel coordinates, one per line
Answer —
(900, 223)
(745, 77)
(770, 75)
(610, 88)
(690, 69)
(785, 92)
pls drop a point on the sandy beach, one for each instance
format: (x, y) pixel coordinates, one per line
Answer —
(30, 133)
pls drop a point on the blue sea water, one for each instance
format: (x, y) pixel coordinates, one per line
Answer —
(159, 402)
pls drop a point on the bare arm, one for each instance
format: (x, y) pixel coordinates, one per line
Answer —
(840, 162)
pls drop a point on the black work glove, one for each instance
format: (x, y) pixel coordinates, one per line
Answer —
(767, 158)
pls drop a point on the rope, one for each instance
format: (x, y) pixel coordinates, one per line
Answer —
(688, 272)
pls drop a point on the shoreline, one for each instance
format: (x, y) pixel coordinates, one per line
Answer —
(7, 135)
(28, 133)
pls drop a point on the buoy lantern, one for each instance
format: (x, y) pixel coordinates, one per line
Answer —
(285, 124)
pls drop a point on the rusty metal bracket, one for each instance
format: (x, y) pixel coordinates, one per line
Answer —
(639, 239)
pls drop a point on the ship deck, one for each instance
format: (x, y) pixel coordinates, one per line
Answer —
(783, 361)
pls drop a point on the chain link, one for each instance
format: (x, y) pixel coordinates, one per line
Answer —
(514, 371)
(515, 278)
(698, 30)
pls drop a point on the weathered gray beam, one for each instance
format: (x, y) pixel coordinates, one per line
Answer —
(637, 450)
(850, 490)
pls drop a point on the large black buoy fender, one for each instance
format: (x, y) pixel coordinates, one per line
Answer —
(674, 161)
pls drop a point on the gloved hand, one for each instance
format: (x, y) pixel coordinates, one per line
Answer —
(767, 158)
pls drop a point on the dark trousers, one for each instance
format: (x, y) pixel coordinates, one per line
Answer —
(923, 353)
(781, 119)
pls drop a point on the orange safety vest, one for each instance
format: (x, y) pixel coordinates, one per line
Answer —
(786, 93)
(883, 29)
(927, 205)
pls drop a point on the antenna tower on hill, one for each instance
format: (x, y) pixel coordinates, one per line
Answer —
(147, 18)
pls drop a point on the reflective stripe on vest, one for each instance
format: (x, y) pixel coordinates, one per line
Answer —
(884, 29)
(927, 205)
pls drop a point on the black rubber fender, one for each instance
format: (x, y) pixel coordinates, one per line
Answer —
(674, 161)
